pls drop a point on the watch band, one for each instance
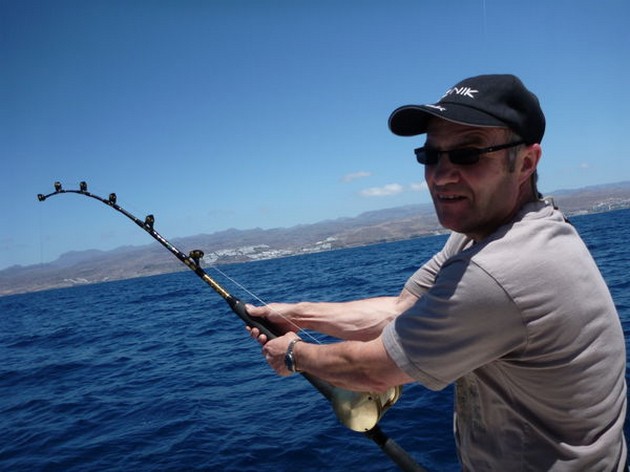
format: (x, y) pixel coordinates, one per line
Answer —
(289, 357)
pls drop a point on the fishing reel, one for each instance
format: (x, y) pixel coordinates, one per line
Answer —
(361, 411)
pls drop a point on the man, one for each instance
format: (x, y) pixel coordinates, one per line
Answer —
(513, 309)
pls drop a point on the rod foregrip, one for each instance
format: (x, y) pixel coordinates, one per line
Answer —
(239, 308)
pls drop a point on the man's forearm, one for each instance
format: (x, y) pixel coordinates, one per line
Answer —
(359, 320)
(353, 365)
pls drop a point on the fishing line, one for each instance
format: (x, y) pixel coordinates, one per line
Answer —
(359, 411)
(262, 302)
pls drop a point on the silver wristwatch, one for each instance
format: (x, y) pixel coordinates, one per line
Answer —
(289, 357)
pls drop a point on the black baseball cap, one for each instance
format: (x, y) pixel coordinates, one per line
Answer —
(498, 100)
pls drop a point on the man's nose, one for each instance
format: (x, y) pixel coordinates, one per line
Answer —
(443, 172)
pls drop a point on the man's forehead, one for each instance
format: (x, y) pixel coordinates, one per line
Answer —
(446, 130)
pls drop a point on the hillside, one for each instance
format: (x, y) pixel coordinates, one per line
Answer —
(246, 245)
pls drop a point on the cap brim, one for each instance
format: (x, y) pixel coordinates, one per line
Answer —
(412, 120)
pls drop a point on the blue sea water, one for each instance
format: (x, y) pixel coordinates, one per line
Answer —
(157, 373)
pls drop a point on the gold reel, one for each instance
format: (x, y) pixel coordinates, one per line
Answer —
(361, 411)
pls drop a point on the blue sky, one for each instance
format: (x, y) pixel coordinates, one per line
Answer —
(254, 113)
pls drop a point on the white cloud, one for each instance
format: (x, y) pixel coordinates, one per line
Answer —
(355, 175)
(393, 189)
(389, 189)
(418, 187)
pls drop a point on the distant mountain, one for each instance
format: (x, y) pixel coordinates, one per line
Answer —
(594, 199)
(232, 245)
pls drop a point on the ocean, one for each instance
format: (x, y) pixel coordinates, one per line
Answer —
(157, 374)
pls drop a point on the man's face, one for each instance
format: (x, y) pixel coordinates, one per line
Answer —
(472, 199)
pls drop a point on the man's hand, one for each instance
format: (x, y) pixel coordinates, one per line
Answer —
(280, 315)
(275, 350)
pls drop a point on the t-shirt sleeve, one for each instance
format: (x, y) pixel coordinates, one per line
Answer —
(424, 278)
(464, 321)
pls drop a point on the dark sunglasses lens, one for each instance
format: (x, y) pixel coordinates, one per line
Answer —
(464, 157)
(426, 156)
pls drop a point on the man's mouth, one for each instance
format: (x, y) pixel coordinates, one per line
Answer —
(442, 197)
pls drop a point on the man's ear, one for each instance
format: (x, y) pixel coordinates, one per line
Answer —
(530, 159)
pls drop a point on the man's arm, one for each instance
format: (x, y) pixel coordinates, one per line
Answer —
(353, 365)
(359, 320)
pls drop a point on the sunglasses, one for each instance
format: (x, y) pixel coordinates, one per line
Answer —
(429, 156)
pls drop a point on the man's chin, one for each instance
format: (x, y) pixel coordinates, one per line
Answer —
(451, 221)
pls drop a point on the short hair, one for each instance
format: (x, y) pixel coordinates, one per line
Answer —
(511, 160)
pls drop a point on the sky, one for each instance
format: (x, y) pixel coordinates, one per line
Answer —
(272, 113)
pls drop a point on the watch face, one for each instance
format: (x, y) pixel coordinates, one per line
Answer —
(288, 362)
(289, 358)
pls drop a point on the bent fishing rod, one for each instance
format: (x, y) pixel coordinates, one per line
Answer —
(359, 411)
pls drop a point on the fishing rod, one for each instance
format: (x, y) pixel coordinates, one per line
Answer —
(359, 411)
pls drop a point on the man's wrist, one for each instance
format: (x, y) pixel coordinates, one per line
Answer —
(289, 357)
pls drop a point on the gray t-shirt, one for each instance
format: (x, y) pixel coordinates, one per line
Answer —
(524, 323)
